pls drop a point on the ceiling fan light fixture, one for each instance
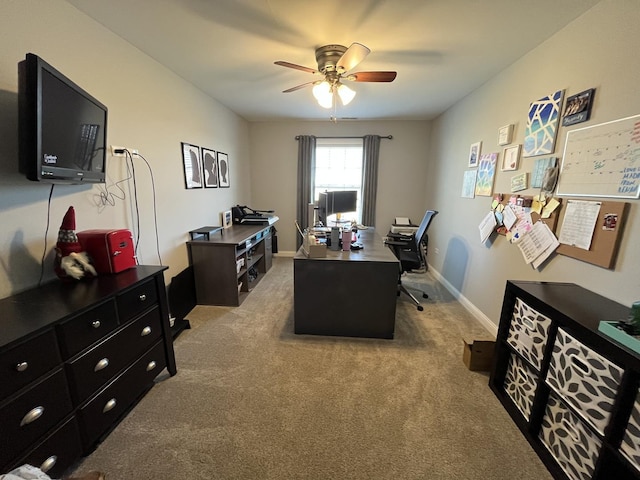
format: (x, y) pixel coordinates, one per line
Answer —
(324, 95)
(345, 94)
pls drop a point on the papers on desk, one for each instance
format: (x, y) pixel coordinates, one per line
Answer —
(537, 244)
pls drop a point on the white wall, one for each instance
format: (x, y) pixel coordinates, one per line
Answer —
(401, 172)
(597, 50)
(150, 109)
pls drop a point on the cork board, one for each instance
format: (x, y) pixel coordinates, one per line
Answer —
(607, 235)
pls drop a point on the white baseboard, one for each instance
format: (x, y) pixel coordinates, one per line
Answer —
(464, 301)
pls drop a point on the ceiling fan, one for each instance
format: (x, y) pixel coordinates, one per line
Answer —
(334, 64)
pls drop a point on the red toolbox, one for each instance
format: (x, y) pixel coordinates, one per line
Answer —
(110, 250)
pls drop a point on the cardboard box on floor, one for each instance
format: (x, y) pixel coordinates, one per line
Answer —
(478, 354)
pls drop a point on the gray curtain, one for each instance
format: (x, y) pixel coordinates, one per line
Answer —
(370, 154)
(306, 183)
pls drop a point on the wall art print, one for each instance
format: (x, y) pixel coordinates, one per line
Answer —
(210, 168)
(192, 166)
(223, 170)
(542, 125)
(486, 174)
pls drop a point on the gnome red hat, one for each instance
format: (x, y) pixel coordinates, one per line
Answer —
(67, 239)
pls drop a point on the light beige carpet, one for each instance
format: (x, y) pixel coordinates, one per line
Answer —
(252, 400)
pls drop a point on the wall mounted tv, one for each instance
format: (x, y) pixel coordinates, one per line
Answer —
(62, 128)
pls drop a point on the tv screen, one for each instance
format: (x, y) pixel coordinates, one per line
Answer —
(63, 129)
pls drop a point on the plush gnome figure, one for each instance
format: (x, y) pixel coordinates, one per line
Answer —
(70, 261)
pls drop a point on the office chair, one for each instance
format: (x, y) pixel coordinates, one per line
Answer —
(411, 251)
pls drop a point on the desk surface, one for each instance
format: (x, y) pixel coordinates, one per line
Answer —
(234, 235)
(374, 250)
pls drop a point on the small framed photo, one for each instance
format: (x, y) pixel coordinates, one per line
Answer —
(223, 170)
(192, 166)
(504, 134)
(578, 108)
(474, 154)
(209, 168)
(225, 219)
(519, 182)
(510, 158)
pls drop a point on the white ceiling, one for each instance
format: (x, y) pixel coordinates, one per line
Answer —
(441, 49)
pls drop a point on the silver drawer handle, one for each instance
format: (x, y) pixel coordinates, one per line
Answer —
(145, 331)
(22, 366)
(101, 365)
(142, 297)
(48, 463)
(151, 365)
(32, 416)
(95, 324)
(109, 405)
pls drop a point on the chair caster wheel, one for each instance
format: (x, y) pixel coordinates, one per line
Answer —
(424, 295)
(420, 308)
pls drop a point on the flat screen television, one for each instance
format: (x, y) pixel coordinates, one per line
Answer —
(62, 128)
(336, 202)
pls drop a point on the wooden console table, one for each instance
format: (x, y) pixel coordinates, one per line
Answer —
(350, 294)
(230, 262)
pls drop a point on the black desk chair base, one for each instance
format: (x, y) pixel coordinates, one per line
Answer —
(403, 289)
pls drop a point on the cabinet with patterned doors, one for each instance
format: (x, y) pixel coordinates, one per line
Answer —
(571, 390)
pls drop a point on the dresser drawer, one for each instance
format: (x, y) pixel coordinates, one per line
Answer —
(97, 366)
(136, 300)
(574, 446)
(29, 417)
(585, 379)
(27, 361)
(520, 384)
(87, 328)
(57, 452)
(103, 411)
(528, 333)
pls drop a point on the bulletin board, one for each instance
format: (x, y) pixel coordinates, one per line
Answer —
(607, 235)
(602, 160)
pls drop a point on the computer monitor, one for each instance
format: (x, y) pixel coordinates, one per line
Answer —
(336, 202)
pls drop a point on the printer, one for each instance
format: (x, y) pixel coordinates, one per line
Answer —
(241, 214)
(403, 226)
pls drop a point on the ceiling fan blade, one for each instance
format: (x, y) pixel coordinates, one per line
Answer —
(298, 87)
(353, 56)
(297, 67)
(372, 76)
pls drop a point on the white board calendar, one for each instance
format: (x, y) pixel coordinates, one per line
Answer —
(602, 160)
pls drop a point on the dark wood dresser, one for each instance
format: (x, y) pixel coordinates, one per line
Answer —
(74, 359)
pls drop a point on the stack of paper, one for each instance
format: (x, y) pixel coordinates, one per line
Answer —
(537, 244)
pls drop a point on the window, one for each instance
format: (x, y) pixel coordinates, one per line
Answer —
(339, 167)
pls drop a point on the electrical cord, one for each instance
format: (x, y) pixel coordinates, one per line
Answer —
(46, 233)
(155, 211)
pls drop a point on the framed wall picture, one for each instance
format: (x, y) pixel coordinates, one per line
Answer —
(510, 158)
(209, 168)
(504, 134)
(578, 108)
(486, 174)
(474, 154)
(226, 219)
(223, 170)
(192, 166)
(542, 125)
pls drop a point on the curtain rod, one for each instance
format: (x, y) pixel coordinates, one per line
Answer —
(389, 137)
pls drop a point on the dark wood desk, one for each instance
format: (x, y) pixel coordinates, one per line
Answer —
(351, 294)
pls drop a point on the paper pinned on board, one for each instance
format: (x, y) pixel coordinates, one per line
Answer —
(487, 226)
(579, 223)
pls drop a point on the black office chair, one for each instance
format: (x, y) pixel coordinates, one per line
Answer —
(411, 251)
